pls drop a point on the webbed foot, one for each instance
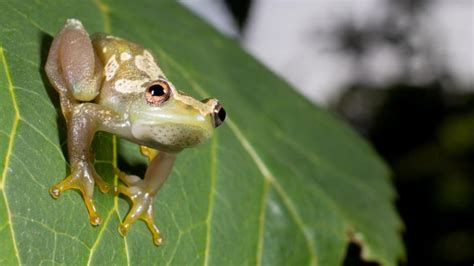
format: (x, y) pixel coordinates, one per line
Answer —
(82, 178)
(142, 205)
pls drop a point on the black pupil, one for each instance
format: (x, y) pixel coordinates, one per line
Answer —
(221, 114)
(157, 90)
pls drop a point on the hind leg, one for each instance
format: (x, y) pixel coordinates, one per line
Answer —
(73, 67)
(85, 120)
(75, 72)
(81, 130)
(142, 193)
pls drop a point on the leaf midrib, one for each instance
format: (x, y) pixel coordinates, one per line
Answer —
(263, 168)
(8, 156)
(212, 198)
(17, 118)
(105, 11)
(267, 175)
(254, 155)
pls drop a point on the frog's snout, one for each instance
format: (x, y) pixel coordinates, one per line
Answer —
(218, 115)
(216, 111)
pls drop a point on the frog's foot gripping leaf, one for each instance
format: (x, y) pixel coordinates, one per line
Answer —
(142, 205)
(82, 178)
(148, 152)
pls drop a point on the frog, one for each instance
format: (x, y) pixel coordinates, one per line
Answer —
(106, 83)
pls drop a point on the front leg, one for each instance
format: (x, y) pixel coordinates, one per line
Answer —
(142, 193)
(84, 121)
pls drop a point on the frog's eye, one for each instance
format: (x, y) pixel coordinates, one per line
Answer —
(219, 115)
(158, 92)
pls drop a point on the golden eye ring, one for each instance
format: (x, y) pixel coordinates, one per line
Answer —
(158, 92)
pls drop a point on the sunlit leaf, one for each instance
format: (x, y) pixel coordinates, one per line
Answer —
(281, 183)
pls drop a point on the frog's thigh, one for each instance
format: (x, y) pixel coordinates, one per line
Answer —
(158, 171)
(80, 66)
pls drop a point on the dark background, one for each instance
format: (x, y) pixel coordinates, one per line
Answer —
(425, 131)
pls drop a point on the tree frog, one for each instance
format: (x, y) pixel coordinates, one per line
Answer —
(109, 84)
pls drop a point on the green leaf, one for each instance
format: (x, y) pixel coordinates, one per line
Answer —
(281, 183)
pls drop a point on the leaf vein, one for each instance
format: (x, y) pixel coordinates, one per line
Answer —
(45, 226)
(320, 162)
(55, 247)
(185, 196)
(175, 248)
(258, 161)
(56, 147)
(279, 189)
(33, 178)
(105, 11)
(212, 197)
(32, 63)
(10, 149)
(99, 236)
(261, 218)
(48, 103)
(25, 16)
(3, 226)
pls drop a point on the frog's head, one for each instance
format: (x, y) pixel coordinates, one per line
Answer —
(169, 120)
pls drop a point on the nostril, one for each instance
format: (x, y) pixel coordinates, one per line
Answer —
(219, 115)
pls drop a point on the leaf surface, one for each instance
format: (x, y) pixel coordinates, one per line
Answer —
(282, 182)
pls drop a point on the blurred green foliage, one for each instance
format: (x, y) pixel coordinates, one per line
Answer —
(426, 134)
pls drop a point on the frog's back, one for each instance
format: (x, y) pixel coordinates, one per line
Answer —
(128, 68)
